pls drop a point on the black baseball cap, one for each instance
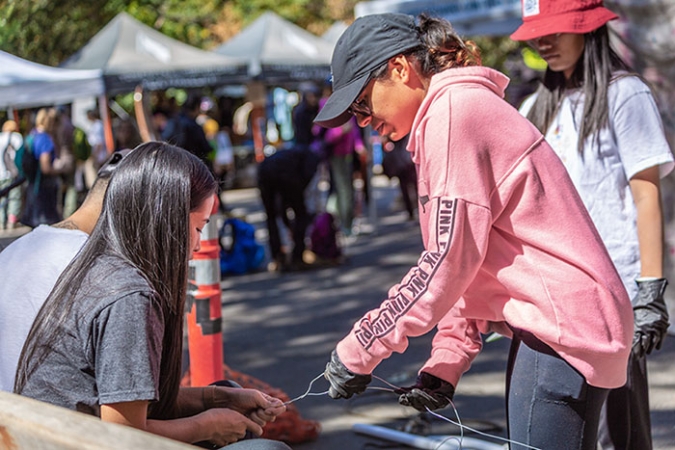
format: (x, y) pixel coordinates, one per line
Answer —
(364, 46)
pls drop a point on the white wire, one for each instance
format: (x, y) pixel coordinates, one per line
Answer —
(393, 388)
(379, 388)
(458, 423)
(308, 393)
(447, 419)
(461, 428)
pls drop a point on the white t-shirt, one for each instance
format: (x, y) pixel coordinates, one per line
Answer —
(30, 267)
(633, 141)
(16, 141)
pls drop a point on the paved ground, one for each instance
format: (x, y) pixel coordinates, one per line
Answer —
(282, 328)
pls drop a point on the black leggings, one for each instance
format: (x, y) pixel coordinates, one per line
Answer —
(625, 422)
(549, 404)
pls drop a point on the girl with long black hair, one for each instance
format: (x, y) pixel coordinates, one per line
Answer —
(108, 340)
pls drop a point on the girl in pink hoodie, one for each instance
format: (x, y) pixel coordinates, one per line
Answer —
(509, 246)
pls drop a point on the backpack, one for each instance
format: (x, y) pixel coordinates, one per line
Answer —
(243, 254)
(81, 146)
(324, 237)
(26, 162)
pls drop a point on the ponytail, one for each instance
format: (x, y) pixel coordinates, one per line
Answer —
(443, 48)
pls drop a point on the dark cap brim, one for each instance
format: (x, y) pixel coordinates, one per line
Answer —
(335, 112)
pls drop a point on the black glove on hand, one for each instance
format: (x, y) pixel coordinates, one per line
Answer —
(343, 382)
(651, 316)
(428, 392)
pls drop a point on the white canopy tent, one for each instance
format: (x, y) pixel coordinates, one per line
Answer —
(277, 50)
(131, 53)
(25, 84)
(468, 17)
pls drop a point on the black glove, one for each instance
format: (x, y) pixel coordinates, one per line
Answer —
(343, 382)
(428, 392)
(651, 316)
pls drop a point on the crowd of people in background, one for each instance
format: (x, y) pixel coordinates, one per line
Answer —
(330, 187)
(306, 171)
(333, 180)
(67, 158)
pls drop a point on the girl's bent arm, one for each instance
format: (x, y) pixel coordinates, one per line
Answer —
(219, 425)
(647, 196)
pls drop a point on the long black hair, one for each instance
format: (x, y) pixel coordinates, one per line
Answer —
(596, 69)
(145, 222)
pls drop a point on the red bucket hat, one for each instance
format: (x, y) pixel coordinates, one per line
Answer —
(544, 17)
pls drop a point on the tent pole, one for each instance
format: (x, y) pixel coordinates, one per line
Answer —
(107, 123)
(141, 118)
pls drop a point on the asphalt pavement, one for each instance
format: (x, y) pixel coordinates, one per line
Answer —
(281, 329)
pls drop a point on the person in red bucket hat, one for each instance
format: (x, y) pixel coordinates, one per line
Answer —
(602, 121)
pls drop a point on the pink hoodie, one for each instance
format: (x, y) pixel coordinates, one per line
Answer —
(508, 244)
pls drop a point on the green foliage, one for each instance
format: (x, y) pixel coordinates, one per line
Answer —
(495, 51)
(126, 101)
(50, 31)
(185, 20)
(532, 59)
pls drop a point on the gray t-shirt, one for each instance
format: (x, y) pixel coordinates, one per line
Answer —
(109, 348)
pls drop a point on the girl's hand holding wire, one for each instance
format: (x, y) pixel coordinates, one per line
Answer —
(343, 382)
(428, 393)
(256, 405)
(267, 410)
